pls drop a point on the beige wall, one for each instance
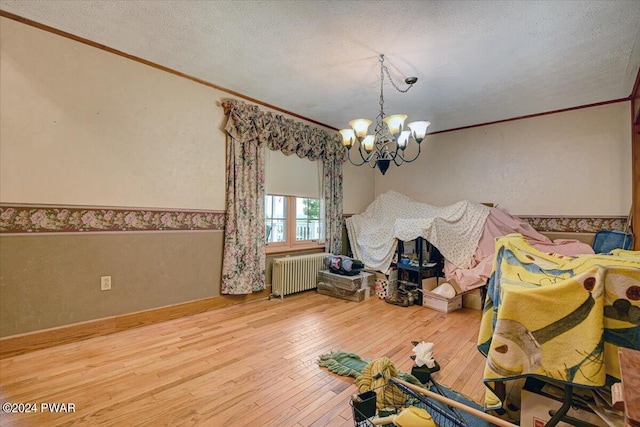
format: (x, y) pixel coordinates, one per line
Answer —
(358, 187)
(571, 163)
(54, 280)
(81, 126)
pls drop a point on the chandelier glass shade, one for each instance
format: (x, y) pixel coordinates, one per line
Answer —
(390, 138)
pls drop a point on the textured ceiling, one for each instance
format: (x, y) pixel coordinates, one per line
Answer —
(476, 61)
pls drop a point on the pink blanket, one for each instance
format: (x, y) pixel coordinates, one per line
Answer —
(500, 223)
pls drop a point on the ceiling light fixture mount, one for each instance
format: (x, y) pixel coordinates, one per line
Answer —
(385, 145)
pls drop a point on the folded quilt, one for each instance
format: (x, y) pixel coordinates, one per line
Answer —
(559, 317)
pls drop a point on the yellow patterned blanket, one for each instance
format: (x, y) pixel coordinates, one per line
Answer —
(558, 317)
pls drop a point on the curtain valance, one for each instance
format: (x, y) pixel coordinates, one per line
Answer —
(248, 122)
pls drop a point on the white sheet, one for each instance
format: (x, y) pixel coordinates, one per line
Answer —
(455, 230)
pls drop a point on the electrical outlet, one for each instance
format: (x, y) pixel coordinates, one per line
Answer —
(105, 283)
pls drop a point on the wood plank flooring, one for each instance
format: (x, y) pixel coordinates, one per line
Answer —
(253, 364)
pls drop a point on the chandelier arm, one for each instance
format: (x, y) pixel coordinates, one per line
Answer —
(402, 158)
(371, 159)
(365, 158)
(354, 163)
(397, 154)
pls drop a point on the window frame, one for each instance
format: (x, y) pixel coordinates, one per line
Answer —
(291, 244)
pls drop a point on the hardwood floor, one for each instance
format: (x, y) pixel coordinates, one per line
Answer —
(253, 364)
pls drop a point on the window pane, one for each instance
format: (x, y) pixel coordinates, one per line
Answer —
(307, 208)
(276, 231)
(307, 219)
(268, 206)
(307, 229)
(275, 218)
(278, 206)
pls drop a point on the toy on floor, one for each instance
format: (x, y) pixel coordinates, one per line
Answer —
(424, 354)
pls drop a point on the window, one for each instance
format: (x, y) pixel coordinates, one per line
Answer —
(307, 219)
(292, 206)
(291, 222)
(276, 218)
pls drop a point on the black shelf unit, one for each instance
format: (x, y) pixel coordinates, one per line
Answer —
(425, 253)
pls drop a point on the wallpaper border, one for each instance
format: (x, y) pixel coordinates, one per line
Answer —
(569, 224)
(575, 224)
(38, 219)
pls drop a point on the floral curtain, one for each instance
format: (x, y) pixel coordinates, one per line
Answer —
(249, 130)
(332, 193)
(243, 265)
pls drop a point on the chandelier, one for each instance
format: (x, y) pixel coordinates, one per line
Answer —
(387, 144)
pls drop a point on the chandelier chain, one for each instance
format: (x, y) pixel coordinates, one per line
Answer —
(386, 70)
(380, 118)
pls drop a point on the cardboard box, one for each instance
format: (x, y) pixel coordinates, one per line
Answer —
(431, 283)
(472, 299)
(329, 289)
(380, 276)
(348, 283)
(440, 303)
(382, 286)
(538, 398)
(393, 274)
